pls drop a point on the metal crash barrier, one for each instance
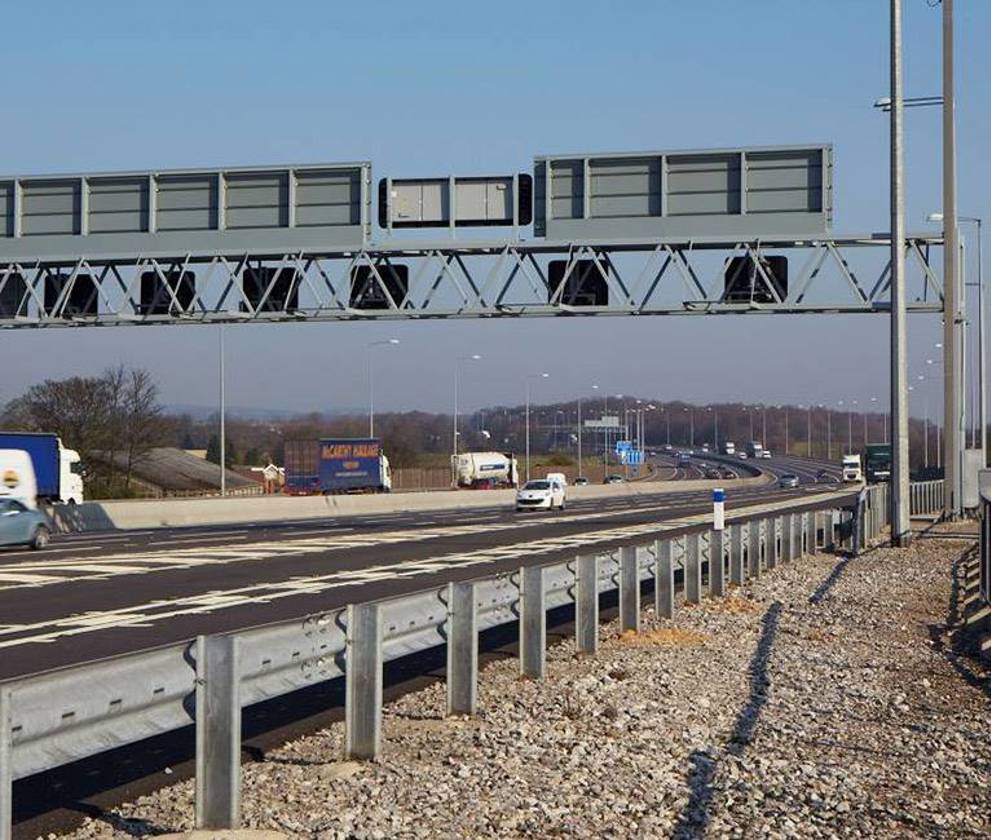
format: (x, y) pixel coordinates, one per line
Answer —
(52, 719)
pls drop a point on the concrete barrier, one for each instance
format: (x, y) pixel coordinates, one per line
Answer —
(171, 513)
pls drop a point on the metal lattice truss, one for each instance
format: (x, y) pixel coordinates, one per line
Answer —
(471, 280)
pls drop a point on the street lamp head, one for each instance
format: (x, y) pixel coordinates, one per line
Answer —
(475, 356)
(934, 217)
(883, 103)
(544, 375)
(393, 341)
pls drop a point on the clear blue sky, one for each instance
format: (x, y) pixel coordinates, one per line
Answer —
(434, 87)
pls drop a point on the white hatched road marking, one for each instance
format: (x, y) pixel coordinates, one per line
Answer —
(47, 571)
(152, 612)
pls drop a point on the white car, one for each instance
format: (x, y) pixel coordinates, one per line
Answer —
(765, 453)
(541, 494)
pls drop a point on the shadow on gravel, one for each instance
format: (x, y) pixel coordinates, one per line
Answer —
(823, 589)
(695, 816)
(961, 652)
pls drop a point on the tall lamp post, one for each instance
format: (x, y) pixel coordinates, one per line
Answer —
(594, 388)
(982, 403)
(458, 364)
(223, 418)
(530, 379)
(389, 342)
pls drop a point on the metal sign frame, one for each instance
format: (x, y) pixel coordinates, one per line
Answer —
(485, 279)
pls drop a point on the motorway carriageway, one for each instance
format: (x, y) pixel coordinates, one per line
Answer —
(91, 596)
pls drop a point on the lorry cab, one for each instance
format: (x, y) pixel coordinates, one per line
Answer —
(70, 477)
(386, 475)
(851, 469)
(559, 478)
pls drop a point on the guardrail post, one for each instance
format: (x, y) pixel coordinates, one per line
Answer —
(587, 603)
(736, 571)
(787, 532)
(664, 579)
(811, 532)
(693, 569)
(462, 649)
(6, 765)
(717, 563)
(363, 682)
(798, 543)
(772, 547)
(827, 530)
(533, 622)
(218, 733)
(629, 589)
(754, 547)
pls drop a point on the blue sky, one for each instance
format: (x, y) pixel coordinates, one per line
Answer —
(434, 87)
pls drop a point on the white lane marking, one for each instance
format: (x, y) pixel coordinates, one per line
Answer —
(46, 571)
(152, 612)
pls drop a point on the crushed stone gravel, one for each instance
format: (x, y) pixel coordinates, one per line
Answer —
(827, 698)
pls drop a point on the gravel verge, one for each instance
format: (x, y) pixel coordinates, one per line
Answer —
(825, 699)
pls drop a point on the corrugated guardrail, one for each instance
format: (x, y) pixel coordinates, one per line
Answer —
(53, 719)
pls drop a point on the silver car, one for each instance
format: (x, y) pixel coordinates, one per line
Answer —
(786, 482)
(19, 525)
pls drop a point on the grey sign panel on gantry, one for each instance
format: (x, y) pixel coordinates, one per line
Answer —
(196, 212)
(746, 192)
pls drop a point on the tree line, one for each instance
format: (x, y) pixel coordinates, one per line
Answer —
(113, 420)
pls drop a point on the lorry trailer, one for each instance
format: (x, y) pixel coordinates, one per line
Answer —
(336, 465)
(57, 470)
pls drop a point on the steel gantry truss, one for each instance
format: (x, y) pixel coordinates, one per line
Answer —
(451, 279)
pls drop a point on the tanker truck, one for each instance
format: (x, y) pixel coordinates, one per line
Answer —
(484, 470)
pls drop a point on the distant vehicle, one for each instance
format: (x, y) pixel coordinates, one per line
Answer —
(787, 481)
(765, 453)
(581, 481)
(725, 472)
(755, 449)
(19, 525)
(336, 465)
(823, 475)
(668, 447)
(57, 471)
(729, 448)
(560, 478)
(684, 458)
(484, 469)
(877, 462)
(742, 456)
(852, 471)
(613, 478)
(705, 447)
(541, 494)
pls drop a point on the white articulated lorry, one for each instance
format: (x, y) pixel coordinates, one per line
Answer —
(484, 470)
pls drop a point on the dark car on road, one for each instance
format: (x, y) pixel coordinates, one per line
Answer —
(580, 481)
(613, 478)
(786, 482)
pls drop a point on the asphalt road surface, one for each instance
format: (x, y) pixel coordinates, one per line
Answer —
(90, 596)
